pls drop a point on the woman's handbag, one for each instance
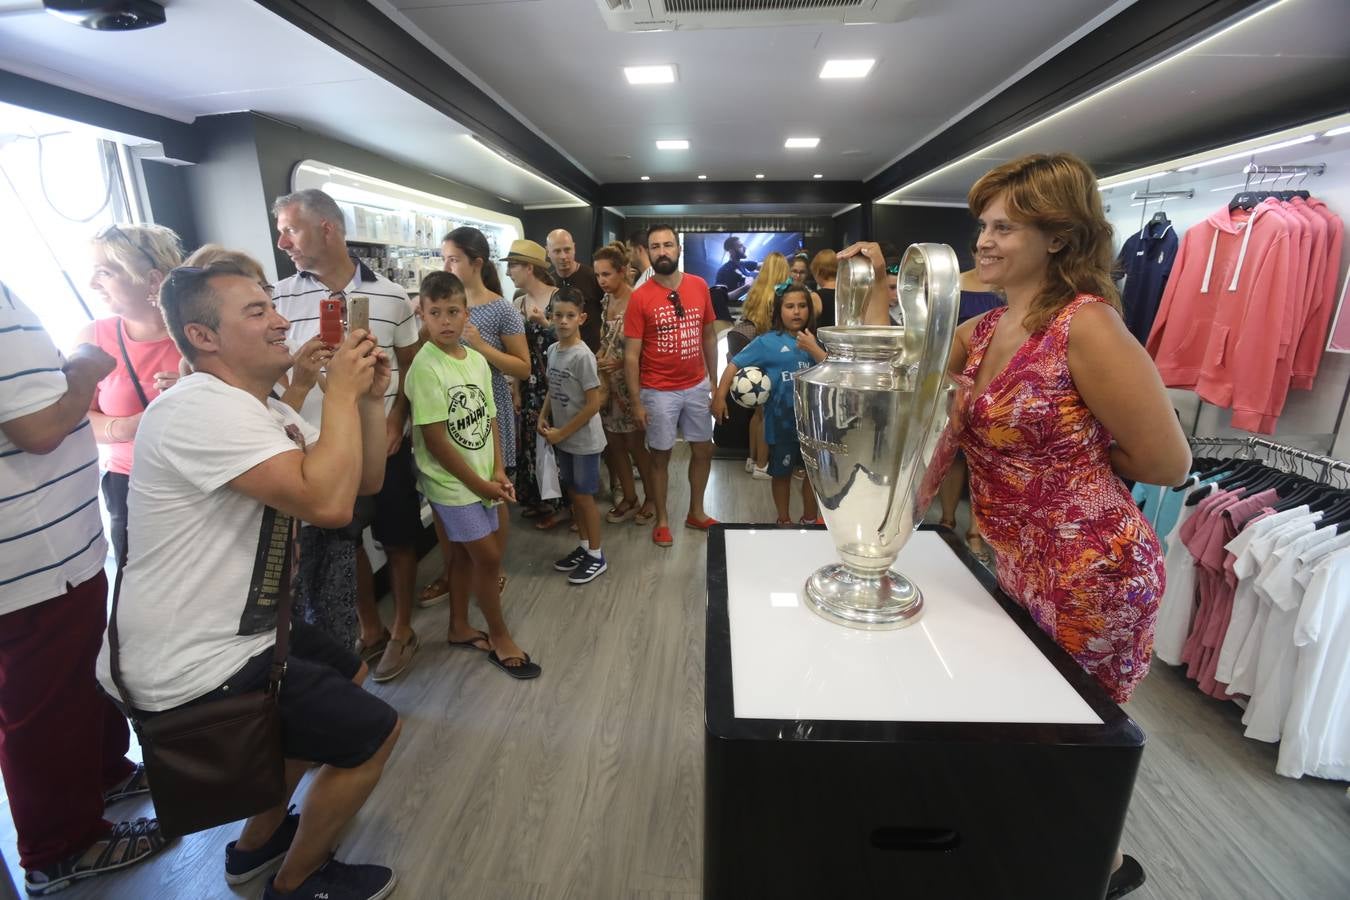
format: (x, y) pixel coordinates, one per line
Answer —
(217, 761)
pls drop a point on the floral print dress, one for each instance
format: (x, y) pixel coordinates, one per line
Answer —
(1073, 548)
(533, 393)
(617, 416)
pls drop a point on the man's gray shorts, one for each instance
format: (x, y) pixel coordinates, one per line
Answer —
(690, 410)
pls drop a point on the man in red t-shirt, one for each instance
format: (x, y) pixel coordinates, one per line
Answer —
(670, 359)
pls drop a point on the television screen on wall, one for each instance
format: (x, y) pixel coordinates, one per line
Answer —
(733, 258)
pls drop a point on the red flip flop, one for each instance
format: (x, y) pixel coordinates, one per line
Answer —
(661, 536)
(700, 524)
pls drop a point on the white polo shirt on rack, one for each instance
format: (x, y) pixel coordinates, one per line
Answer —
(393, 321)
(51, 536)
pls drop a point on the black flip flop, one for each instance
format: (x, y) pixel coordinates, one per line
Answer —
(471, 643)
(523, 672)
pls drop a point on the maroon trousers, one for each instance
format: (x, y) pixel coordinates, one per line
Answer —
(62, 741)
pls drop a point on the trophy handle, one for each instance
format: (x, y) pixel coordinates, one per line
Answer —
(853, 283)
(930, 295)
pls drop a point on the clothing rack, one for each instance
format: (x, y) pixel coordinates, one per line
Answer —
(1185, 194)
(1309, 169)
(1252, 444)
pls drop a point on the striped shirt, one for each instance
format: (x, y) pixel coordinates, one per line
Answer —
(51, 535)
(393, 321)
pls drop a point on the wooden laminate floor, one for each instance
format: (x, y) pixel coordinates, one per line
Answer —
(588, 783)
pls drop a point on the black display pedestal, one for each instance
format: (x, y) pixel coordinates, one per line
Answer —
(828, 808)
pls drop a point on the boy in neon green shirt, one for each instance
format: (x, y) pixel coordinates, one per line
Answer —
(459, 463)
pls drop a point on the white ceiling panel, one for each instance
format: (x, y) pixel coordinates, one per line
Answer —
(218, 56)
(1265, 63)
(741, 91)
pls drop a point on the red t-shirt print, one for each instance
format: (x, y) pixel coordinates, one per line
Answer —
(672, 345)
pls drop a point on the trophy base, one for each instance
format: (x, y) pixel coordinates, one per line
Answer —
(844, 597)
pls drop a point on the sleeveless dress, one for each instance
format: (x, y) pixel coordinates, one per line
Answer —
(495, 319)
(533, 393)
(1073, 548)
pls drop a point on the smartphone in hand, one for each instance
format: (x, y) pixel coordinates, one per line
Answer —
(331, 313)
(358, 313)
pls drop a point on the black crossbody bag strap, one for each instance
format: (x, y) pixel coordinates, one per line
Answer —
(131, 370)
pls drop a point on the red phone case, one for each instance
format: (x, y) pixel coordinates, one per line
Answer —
(330, 321)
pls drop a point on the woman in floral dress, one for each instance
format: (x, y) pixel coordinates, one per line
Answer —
(1065, 404)
(526, 266)
(626, 441)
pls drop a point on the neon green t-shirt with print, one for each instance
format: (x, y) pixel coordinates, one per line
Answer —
(458, 393)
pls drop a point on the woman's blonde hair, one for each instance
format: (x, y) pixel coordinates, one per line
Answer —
(137, 249)
(207, 254)
(1057, 194)
(825, 265)
(758, 308)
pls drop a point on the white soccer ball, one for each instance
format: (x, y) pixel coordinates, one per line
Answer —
(750, 387)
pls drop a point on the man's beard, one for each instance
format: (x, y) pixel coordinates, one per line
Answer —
(664, 266)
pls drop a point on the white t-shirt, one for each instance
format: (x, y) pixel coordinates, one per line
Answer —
(1177, 605)
(1250, 549)
(207, 563)
(51, 535)
(1276, 659)
(1317, 725)
(393, 322)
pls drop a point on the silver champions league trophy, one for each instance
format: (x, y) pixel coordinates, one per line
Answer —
(869, 419)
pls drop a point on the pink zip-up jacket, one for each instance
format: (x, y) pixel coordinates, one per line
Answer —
(1221, 327)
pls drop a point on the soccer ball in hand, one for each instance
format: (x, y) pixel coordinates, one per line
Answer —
(750, 387)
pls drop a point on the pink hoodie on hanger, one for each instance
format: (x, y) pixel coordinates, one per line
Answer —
(1311, 344)
(1221, 327)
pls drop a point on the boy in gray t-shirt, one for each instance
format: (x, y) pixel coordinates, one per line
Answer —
(570, 421)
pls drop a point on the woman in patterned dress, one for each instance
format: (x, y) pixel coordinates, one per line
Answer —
(526, 266)
(1065, 404)
(626, 440)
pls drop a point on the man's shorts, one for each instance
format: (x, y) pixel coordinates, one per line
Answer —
(579, 472)
(690, 410)
(784, 458)
(398, 508)
(325, 717)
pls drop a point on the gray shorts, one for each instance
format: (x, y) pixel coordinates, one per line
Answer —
(690, 410)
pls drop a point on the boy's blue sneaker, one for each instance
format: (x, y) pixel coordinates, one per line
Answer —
(590, 568)
(571, 560)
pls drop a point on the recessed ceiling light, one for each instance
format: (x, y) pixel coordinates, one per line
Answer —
(646, 178)
(801, 143)
(672, 145)
(649, 74)
(703, 178)
(847, 68)
(818, 175)
(759, 174)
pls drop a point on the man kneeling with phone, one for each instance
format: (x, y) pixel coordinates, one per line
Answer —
(221, 472)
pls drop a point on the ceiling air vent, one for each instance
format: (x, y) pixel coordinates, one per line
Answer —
(682, 15)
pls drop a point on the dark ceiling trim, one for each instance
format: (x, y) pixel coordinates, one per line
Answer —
(362, 33)
(179, 140)
(660, 193)
(1139, 34)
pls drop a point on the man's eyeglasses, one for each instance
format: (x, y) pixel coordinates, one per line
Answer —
(112, 231)
(674, 299)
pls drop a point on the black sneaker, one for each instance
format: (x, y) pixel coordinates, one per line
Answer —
(571, 560)
(245, 865)
(591, 567)
(1128, 878)
(339, 881)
